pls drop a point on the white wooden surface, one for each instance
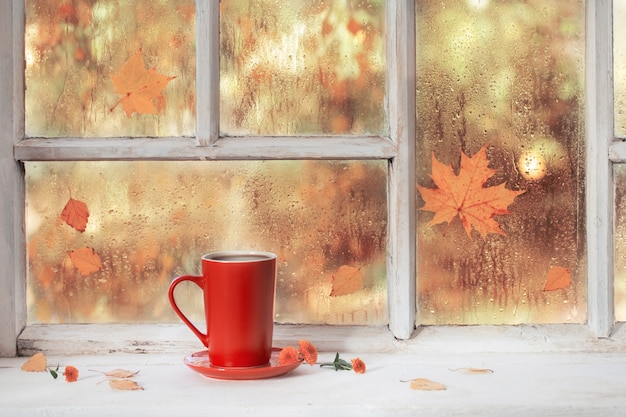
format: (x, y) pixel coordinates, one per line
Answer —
(448, 340)
(230, 148)
(599, 175)
(537, 371)
(401, 270)
(207, 71)
(617, 152)
(12, 256)
(521, 385)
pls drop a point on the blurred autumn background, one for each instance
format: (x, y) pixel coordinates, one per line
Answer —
(505, 75)
(151, 221)
(303, 67)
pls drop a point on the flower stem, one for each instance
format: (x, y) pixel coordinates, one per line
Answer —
(339, 364)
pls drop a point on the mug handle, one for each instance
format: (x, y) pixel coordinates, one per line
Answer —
(199, 281)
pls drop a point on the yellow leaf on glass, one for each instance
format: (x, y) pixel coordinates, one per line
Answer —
(85, 260)
(346, 280)
(558, 278)
(125, 385)
(141, 89)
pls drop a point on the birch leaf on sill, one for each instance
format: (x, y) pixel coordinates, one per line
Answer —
(125, 385)
(424, 384)
(36, 363)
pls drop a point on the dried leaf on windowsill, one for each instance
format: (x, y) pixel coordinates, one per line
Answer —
(424, 384)
(117, 373)
(36, 363)
(124, 385)
(473, 370)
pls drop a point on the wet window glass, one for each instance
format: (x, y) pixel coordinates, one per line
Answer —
(619, 67)
(619, 171)
(106, 238)
(500, 171)
(302, 67)
(110, 68)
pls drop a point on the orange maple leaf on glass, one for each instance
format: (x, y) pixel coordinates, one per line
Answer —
(558, 277)
(85, 260)
(346, 280)
(464, 196)
(139, 87)
(75, 213)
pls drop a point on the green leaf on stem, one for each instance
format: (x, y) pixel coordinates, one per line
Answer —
(54, 372)
(339, 364)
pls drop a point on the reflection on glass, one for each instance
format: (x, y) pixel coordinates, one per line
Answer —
(106, 238)
(74, 50)
(302, 67)
(502, 84)
(619, 172)
(619, 67)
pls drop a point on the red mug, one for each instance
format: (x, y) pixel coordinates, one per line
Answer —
(239, 290)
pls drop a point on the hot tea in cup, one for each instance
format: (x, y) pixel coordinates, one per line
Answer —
(239, 290)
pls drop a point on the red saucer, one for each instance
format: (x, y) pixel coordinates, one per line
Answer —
(199, 362)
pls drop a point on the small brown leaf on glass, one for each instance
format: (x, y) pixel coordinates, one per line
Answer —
(86, 260)
(346, 280)
(424, 384)
(558, 278)
(125, 385)
(36, 363)
(75, 213)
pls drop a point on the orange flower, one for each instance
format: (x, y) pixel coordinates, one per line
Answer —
(308, 351)
(358, 366)
(288, 355)
(71, 374)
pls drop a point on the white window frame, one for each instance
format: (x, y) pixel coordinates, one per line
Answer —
(602, 150)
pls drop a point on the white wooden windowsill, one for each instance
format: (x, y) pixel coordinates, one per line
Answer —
(537, 371)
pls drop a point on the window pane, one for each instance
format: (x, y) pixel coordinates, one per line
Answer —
(619, 66)
(500, 137)
(150, 221)
(110, 68)
(302, 67)
(619, 171)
